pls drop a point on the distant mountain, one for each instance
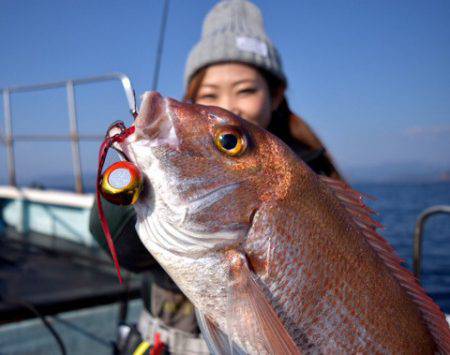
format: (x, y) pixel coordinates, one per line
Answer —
(409, 172)
(406, 172)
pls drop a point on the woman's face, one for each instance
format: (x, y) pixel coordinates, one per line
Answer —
(238, 88)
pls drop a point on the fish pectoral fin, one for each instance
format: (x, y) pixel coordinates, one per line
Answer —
(249, 312)
(217, 341)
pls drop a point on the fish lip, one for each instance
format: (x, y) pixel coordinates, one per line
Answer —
(121, 154)
(153, 107)
(156, 121)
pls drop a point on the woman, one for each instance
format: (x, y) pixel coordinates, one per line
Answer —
(236, 67)
(257, 95)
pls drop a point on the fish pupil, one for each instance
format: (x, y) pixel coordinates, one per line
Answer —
(228, 141)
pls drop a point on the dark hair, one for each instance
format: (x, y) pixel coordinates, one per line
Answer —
(284, 124)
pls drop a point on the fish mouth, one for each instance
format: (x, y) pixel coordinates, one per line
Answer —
(153, 108)
(154, 123)
(156, 120)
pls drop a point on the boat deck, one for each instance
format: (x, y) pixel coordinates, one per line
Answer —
(54, 275)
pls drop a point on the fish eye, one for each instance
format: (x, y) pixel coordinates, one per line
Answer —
(230, 141)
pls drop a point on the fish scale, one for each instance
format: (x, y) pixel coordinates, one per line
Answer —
(275, 258)
(296, 295)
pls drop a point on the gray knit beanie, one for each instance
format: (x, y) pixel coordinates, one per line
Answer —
(234, 31)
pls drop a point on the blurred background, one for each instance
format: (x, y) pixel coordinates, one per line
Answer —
(371, 77)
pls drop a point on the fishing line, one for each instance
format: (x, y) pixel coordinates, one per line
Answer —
(44, 320)
(106, 144)
(159, 51)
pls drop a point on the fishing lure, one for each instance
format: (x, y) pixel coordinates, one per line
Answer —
(120, 184)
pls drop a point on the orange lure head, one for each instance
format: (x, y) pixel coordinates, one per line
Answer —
(121, 183)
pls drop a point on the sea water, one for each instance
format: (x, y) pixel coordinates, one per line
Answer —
(398, 206)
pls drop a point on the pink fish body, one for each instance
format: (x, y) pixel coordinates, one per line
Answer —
(275, 258)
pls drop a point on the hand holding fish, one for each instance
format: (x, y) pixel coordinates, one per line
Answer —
(275, 258)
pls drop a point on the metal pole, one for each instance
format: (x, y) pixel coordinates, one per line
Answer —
(162, 32)
(9, 140)
(418, 235)
(126, 85)
(129, 92)
(76, 161)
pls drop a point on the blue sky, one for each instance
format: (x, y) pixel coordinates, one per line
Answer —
(371, 77)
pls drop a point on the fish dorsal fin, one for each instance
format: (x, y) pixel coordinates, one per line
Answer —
(249, 312)
(361, 214)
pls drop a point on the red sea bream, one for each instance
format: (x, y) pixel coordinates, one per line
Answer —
(275, 258)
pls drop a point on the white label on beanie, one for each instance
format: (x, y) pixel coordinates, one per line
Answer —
(253, 45)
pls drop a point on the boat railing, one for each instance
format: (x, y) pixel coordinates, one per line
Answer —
(418, 234)
(9, 138)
